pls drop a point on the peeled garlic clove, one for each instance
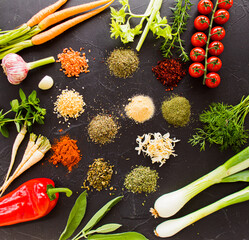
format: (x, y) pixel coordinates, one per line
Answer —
(46, 83)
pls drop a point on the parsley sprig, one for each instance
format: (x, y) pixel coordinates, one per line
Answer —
(223, 125)
(27, 111)
(180, 18)
(121, 23)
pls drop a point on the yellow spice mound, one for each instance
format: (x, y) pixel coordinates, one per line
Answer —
(140, 108)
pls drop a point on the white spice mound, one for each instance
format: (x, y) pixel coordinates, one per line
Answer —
(69, 104)
(140, 108)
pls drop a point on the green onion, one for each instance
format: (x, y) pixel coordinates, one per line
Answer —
(169, 204)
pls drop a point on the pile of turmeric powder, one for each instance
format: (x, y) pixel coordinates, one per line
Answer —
(65, 151)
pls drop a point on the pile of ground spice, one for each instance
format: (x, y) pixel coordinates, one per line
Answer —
(102, 129)
(66, 152)
(73, 62)
(169, 72)
(123, 63)
(176, 111)
(69, 104)
(99, 174)
(141, 179)
(140, 108)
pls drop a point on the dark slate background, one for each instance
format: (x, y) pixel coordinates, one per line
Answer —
(104, 92)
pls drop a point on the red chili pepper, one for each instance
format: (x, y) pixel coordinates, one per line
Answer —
(32, 200)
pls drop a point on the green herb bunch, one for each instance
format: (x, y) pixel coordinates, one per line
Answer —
(223, 125)
(27, 111)
(180, 18)
(121, 27)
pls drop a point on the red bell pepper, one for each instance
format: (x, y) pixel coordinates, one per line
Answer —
(32, 200)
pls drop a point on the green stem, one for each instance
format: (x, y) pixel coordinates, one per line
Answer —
(208, 40)
(51, 191)
(40, 62)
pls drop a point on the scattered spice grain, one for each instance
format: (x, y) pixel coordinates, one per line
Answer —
(176, 111)
(73, 62)
(99, 174)
(123, 63)
(140, 108)
(65, 151)
(69, 104)
(169, 72)
(102, 129)
(141, 179)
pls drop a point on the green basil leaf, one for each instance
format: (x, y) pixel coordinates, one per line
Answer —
(75, 217)
(14, 105)
(22, 95)
(18, 126)
(107, 228)
(32, 97)
(118, 236)
(100, 214)
(4, 131)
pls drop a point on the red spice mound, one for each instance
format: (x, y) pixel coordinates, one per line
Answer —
(72, 63)
(65, 151)
(169, 72)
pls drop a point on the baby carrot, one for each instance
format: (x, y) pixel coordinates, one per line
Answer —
(58, 29)
(66, 13)
(45, 12)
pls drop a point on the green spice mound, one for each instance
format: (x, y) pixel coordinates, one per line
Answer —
(99, 174)
(176, 111)
(123, 63)
(141, 179)
(102, 129)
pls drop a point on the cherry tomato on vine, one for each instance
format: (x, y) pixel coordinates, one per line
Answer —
(196, 70)
(205, 7)
(201, 23)
(212, 80)
(199, 39)
(227, 4)
(217, 33)
(221, 16)
(197, 54)
(214, 64)
(215, 48)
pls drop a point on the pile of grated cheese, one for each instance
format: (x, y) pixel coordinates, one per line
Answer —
(159, 147)
(69, 104)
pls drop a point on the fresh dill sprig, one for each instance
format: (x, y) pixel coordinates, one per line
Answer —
(180, 18)
(223, 125)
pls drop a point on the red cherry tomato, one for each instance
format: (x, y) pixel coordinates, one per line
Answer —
(215, 48)
(205, 7)
(199, 39)
(227, 4)
(217, 33)
(212, 80)
(197, 54)
(214, 64)
(201, 23)
(196, 70)
(221, 16)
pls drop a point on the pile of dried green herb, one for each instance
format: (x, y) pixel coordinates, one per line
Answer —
(102, 129)
(123, 63)
(99, 174)
(141, 179)
(176, 111)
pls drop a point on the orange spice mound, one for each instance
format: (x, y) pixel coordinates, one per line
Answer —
(65, 151)
(73, 62)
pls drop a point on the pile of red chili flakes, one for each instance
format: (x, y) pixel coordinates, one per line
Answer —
(169, 72)
(73, 62)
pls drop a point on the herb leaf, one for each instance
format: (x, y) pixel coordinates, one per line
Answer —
(107, 228)
(22, 95)
(4, 131)
(75, 217)
(118, 236)
(100, 214)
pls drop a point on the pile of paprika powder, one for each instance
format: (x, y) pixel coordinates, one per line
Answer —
(169, 72)
(65, 151)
